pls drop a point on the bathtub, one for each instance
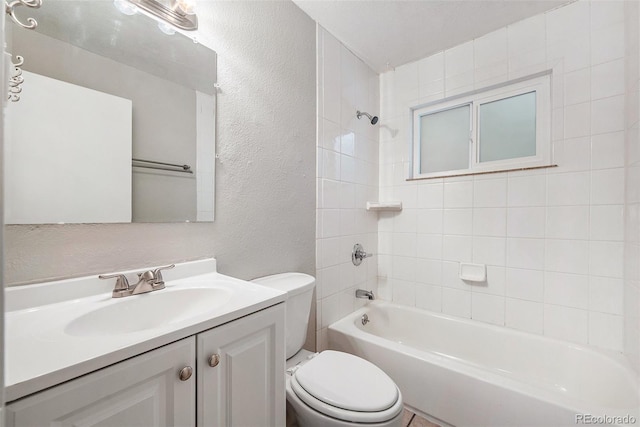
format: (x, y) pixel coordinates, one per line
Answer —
(465, 373)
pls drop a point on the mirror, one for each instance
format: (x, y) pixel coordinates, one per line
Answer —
(100, 89)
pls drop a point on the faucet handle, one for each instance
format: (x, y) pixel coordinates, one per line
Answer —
(158, 281)
(122, 284)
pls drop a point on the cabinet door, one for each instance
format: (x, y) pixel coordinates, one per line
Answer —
(143, 391)
(246, 386)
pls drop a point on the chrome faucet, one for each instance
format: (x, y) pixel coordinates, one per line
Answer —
(361, 293)
(358, 254)
(148, 281)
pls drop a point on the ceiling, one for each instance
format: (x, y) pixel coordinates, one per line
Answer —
(389, 33)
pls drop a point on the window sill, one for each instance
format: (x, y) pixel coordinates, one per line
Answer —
(481, 173)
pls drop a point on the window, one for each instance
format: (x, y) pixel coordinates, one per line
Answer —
(499, 128)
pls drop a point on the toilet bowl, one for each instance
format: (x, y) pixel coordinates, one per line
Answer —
(330, 388)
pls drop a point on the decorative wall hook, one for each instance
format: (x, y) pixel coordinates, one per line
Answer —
(16, 80)
(10, 6)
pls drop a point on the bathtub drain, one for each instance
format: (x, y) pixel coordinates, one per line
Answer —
(365, 319)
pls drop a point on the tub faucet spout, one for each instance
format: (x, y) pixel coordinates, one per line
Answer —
(361, 293)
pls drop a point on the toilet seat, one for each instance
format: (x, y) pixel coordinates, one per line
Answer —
(346, 387)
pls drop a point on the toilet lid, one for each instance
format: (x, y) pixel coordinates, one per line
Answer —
(347, 382)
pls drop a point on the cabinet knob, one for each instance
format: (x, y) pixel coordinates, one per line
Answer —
(214, 360)
(185, 373)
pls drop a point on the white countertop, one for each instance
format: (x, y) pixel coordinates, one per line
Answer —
(39, 353)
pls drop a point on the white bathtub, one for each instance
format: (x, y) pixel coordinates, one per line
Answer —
(467, 373)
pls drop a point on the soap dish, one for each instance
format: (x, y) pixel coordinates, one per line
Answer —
(473, 272)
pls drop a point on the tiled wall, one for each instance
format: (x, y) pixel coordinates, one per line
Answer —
(347, 177)
(552, 239)
(632, 195)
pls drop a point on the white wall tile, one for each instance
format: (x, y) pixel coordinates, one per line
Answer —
(607, 115)
(554, 236)
(607, 43)
(607, 222)
(489, 222)
(495, 283)
(605, 330)
(569, 290)
(577, 86)
(489, 193)
(404, 268)
(567, 256)
(456, 302)
(607, 79)
(576, 120)
(606, 295)
(348, 143)
(430, 195)
(429, 297)
(451, 276)
(458, 60)
(607, 150)
(525, 253)
(607, 187)
(606, 259)
(429, 246)
(431, 75)
(568, 222)
(490, 49)
(606, 13)
(404, 244)
(527, 190)
(430, 220)
(429, 271)
(526, 36)
(404, 293)
(488, 308)
(489, 250)
(331, 135)
(526, 222)
(458, 221)
(568, 189)
(457, 248)
(572, 155)
(458, 194)
(525, 284)
(566, 323)
(330, 197)
(330, 165)
(524, 315)
(406, 221)
(571, 21)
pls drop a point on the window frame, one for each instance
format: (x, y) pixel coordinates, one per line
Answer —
(539, 83)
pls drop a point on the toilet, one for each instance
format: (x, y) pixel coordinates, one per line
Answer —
(330, 388)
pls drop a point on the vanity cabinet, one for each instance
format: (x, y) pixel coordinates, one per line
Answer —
(241, 372)
(142, 391)
(237, 379)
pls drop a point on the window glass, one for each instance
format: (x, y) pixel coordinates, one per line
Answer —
(508, 128)
(444, 140)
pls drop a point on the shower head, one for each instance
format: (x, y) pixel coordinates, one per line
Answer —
(373, 119)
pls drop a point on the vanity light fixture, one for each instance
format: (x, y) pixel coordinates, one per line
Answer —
(177, 13)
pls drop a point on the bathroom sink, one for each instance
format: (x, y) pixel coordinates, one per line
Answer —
(147, 311)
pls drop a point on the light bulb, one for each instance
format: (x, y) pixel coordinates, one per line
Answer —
(187, 6)
(125, 7)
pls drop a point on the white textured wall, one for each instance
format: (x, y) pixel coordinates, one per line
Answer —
(632, 194)
(265, 184)
(347, 175)
(552, 239)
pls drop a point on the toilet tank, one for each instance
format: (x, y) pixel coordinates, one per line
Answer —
(299, 288)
